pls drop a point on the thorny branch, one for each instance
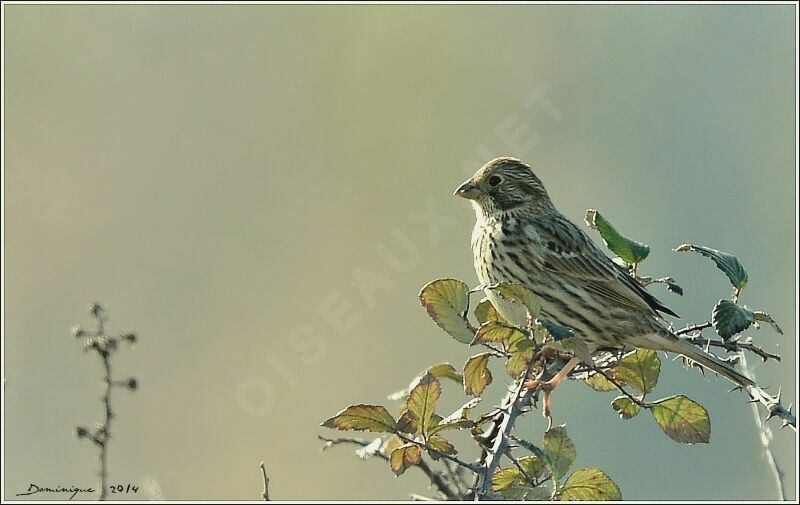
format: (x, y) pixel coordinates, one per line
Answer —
(436, 478)
(513, 405)
(105, 346)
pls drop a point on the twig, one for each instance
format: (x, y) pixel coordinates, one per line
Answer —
(436, 479)
(105, 433)
(265, 493)
(765, 436)
(732, 346)
(105, 346)
(423, 445)
(510, 409)
(693, 327)
(456, 478)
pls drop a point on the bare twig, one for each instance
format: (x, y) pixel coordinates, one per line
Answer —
(265, 493)
(436, 479)
(105, 432)
(765, 437)
(693, 327)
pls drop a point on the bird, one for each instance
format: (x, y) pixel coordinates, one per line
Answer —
(520, 237)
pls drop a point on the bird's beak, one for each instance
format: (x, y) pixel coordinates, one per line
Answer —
(468, 190)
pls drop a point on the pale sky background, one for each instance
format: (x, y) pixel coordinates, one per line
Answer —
(218, 174)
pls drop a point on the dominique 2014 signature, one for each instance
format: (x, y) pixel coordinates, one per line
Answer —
(74, 490)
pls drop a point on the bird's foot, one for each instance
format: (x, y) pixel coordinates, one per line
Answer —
(549, 386)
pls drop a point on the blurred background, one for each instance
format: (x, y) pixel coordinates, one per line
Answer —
(260, 192)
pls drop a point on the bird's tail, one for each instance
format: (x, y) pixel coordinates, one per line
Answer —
(668, 341)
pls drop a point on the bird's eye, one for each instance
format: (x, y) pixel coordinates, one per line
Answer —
(495, 180)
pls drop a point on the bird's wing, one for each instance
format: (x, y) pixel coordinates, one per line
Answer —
(571, 254)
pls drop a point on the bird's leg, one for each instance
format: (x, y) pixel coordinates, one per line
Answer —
(549, 386)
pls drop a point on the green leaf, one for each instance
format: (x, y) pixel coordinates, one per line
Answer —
(407, 423)
(485, 312)
(534, 466)
(629, 250)
(457, 420)
(518, 294)
(565, 340)
(493, 332)
(446, 370)
(519, 492)
(559, 450)
(590, 484)
(726, 262)
(374, 418)
(682, 419)
(600, 383)
(625, 407)
(508, 476)
(640, 370)
(505, 477)
(403, 457)
(446, 301)
(521, 350)
(476, 374)
(440, 445)
(730, 319)
(422, 401)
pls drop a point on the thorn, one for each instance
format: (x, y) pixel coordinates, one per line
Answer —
(778, 396)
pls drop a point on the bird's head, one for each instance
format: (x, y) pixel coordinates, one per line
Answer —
(504, 184)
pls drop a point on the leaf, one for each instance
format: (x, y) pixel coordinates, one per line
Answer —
(730, 319)
(625, 407)
(441, 370)
(629, 250)
(407, 423)
(403, 457)
(392, 443)
(726, 262)
(476, 374)
(440, 445)
(526, 492)
(422, 400)
(564, 339)
(533, 466)
(446, 370)
(493, 332)
(590, 484)
(446, 301)
(485, 312)
(506, 477)
(639, 369)
(559, 450)
(373, 418)
(517, 294)
(458, 419)
(521, 349)
(682, 419)
(600, 383)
